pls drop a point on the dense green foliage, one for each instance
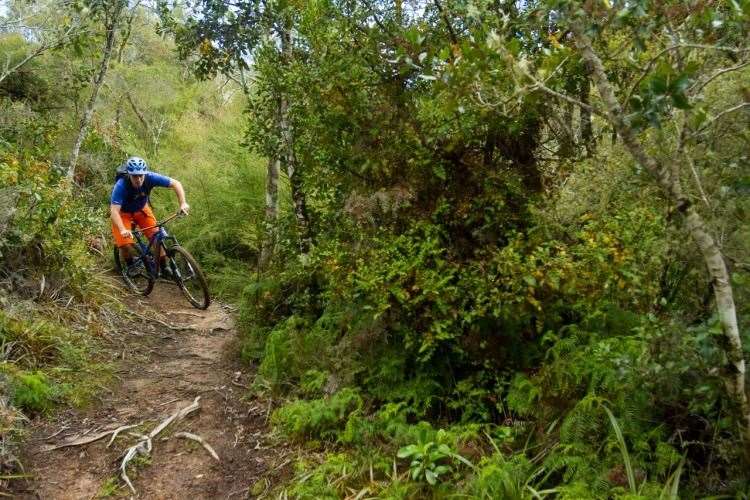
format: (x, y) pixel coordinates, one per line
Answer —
(475, 289)
(488, 259)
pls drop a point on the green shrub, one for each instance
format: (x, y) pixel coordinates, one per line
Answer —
(58, 356)
(32, 392)
(294, 347)
(318, 482)
(312, 383)
(50, 230)
(322, 418)
(497, 476)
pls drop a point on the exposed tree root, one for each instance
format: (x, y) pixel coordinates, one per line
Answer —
(195, 437)
(118, 430)
(83, 440)
(144, 446)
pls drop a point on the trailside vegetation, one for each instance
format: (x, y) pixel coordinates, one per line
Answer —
(513, 262)
(479, 248)
(59, 307)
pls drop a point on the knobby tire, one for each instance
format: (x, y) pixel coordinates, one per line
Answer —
(122, 270)
(201, 299)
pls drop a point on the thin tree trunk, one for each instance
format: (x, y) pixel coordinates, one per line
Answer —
(567, 132)
(88, 112)
(586, 129)
(295, 181)
(138, 113)
(272, 212)
(153, 132)
(694, 224)
(289, 158)
(128, 31)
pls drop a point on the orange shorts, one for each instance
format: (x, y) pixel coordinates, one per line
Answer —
(141, 218)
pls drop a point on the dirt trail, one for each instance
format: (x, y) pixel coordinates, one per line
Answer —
(161, 370)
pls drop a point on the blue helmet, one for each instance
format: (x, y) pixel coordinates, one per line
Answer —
(136, 166)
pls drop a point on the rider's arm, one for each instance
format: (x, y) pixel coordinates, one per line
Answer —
(180, 191)
(115, 205)
(114, 213)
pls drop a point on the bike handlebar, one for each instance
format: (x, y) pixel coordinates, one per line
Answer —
(159, 224)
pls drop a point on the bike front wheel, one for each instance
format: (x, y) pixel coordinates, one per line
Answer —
(189, 277)
(136, 275)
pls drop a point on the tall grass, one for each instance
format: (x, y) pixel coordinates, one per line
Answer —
(623, 449)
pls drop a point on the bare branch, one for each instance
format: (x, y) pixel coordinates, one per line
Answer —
(659, 54)
(8, 69)
(79, 441)
(447, 21)
(143, 447)
(118, 431)
(90, 439)
(717, 74)
(720, 115)
(541, 86)
(40, 49)
(567, 98)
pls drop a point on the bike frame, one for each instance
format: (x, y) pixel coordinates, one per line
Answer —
(150, 246)
(185, 271)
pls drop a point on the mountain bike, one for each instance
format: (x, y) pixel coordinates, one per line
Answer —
(144, 269)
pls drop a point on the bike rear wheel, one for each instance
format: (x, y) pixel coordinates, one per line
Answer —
(136, 276)
(189, 277)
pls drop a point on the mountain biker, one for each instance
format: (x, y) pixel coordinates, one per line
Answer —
(129, 204)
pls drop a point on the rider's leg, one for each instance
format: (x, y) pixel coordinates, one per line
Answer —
(146, 218)
(126, 246)
(127, 252)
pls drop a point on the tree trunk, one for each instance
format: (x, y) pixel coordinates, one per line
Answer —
(138, 114)
(88, 112)
(295, 181)
(289, 158)
(272, 212)
(128, 31)
(586, 137)
(567, 133)
(694, 224)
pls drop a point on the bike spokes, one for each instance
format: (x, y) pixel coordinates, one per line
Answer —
(189, 277)
(136, 274)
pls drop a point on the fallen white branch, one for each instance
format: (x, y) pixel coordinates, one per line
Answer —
(144, 446)
(178, 415)
(81, 440)
(195, 437)
(119, 430)
(176, 328)
(141, 448)
(58, 431)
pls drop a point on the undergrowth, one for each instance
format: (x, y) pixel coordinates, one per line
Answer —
(52, 286)
(554, 365)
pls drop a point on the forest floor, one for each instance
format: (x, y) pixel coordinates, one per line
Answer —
(161, 367)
